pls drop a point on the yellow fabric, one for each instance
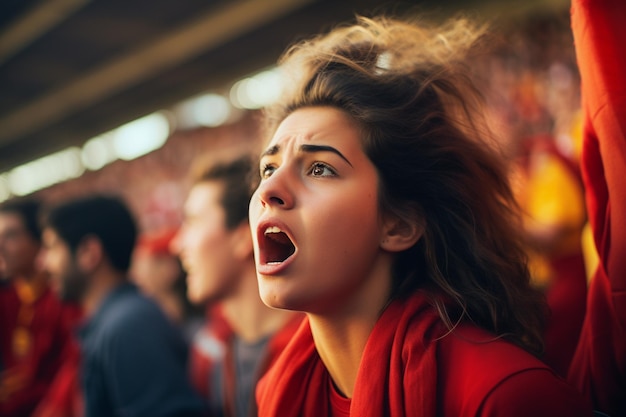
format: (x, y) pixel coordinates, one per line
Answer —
(553, 197)
(554, 194)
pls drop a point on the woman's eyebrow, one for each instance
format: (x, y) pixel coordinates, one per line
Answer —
(322, 148)
(272, 150)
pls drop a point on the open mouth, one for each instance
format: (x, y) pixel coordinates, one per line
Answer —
(278, 246)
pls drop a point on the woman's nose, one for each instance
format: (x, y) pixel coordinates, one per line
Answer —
(276, 190)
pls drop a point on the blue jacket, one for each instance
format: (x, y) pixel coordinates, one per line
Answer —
(134, 360)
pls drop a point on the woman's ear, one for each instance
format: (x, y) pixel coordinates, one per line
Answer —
(399, 234)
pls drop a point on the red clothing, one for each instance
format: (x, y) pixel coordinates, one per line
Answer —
(412, 366)
(599, 365)
(35, 331)
(566, 299)
(213, 344)
(64, 398)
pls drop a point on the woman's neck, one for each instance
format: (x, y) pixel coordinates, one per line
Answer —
(340, 346)
(340, 337)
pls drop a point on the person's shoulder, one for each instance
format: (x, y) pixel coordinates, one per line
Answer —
(477, 360)
(471, 347)
(130, 312)
(480, 371)
(474, 361)
(534, 392)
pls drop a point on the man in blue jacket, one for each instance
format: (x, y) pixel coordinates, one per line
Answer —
(133, 358)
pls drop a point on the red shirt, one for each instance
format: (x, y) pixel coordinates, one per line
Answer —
(35, 330)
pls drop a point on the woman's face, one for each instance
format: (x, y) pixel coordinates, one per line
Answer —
(315, 220)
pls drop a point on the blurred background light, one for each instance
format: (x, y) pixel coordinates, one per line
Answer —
(211, 110)
(46, 171)
(98, 152)
(5, 191)
(141, 136)
(257, 91)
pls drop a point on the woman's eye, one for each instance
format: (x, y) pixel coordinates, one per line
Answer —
(267, 171)
(319, 169)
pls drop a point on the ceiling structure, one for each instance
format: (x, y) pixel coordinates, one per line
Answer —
(73, 69)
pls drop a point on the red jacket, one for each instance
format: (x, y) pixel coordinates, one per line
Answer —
(599, 365)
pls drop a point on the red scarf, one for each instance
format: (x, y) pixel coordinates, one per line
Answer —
(397, 376)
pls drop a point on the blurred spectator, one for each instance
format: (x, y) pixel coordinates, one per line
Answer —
(553, 201)
(133, 358)
(551, 194)
(242, 336)
(159, 274)
(34, 326)
(533, 89)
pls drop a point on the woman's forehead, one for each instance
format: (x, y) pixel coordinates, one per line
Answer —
(311, 125)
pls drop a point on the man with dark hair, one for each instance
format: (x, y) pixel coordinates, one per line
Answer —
(242, 336)
(133, 358)
(34, 325)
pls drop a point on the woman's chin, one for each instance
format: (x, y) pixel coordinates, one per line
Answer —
(277, 301)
